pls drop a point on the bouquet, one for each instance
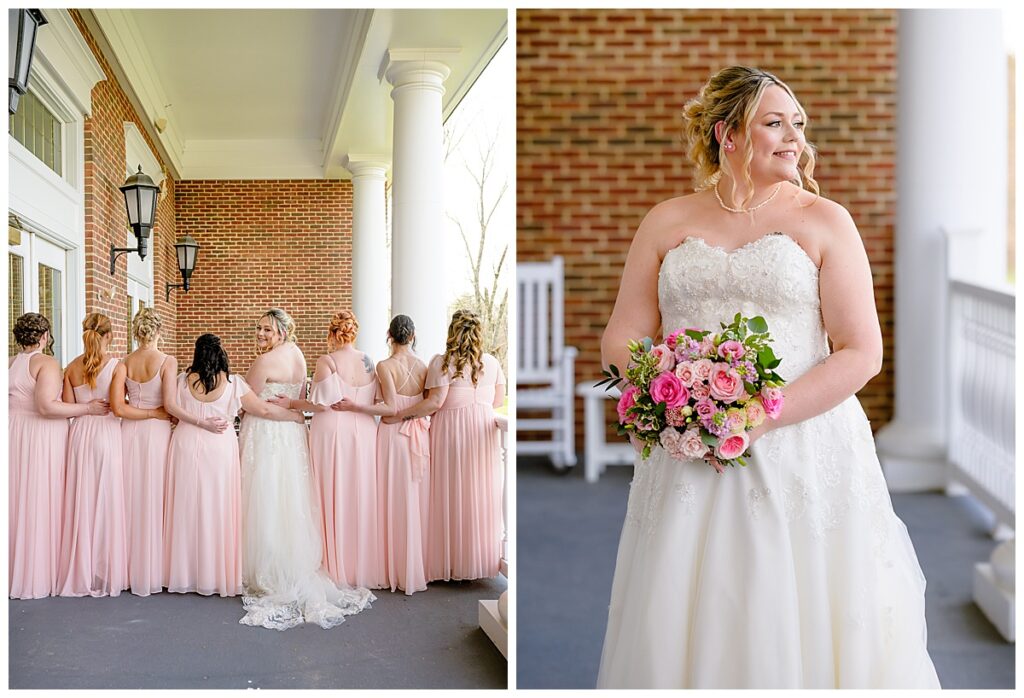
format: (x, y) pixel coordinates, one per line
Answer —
(699, 393)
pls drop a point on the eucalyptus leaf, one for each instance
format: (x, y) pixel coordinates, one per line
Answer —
(647, 343)
(708, 439)
(757, 324)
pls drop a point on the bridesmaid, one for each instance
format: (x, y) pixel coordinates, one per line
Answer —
(37, 445)
(202, 500)
(343, 451)
(403, 461)
(94, 543)
(145, 437)
(464, 386)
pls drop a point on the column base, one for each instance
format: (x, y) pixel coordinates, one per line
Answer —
(996, 603)
(490, 623)
(913, 458)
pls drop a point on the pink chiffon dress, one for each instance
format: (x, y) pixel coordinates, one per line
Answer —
(94, 542)
(403, 491)
(36, 449)
(202, 499)
(464, 531)
(344, 456)
(145, 445)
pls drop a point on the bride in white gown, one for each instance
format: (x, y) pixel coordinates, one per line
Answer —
(281, 542)
(793, 572)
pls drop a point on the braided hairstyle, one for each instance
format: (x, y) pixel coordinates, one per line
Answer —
(30, 328)
(733, 95)
(465, 344)
(208, 361)
(146, 325)
(343, 329)
(402, 330)
(95, 327)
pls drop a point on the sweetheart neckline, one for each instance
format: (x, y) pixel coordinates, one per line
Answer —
(741, 248)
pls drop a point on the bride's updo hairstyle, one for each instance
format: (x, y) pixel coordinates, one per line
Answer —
(30, 328)
(146, 325)
(733, 95)
(208, 360)
(402, 331)
(283, 322)
(343, 329)
(465, 346)
(95, 327)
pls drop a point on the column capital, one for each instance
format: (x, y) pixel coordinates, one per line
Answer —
(422, 68)
(366, 166)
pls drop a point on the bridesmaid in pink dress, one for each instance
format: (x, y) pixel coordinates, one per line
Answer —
(202, 501)
(94, 542)
(403, 461)
(343, 450)
(145, 436)
(36, 449)
(464, 386)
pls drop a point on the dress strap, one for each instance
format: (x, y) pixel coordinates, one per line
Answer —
(408, 375)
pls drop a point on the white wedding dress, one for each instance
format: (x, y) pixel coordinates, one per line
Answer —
(793, 572)
(281, 542)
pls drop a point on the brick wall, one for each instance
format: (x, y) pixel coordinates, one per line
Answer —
(264, 243)
(105, 217)
(600, 95)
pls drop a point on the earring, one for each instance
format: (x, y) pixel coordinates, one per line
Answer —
(729, 146)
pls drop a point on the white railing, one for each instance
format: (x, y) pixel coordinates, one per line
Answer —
(493, 615)
(982, 395)
(981, 344)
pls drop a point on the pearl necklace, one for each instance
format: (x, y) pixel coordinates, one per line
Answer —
(746, 210)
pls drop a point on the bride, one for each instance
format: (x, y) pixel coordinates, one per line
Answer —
(793, 572)
(281, 546)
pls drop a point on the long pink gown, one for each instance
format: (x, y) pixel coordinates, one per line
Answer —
(145, 445)
(94, 542)
(344, 455)
(403, 491)
(464, 533)
(36, 450)
(202, 501)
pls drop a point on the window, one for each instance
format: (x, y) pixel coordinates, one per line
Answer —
(15, 297)
(36, 128)
(52, 307)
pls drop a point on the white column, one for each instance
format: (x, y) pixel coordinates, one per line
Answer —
(369, 253)
(419, 249)
(950, 63)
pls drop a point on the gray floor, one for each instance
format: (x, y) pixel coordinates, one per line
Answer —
(428, 640)
(568, 533)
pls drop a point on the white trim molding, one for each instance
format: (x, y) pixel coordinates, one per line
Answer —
(63, 49)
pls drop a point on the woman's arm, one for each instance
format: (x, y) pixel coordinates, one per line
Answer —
(253, 405)
(848, 312)
(256, 376)
(635, 314)
(67, 392)
(499, 395)
(215, 425)
(47, 381)
(123, 409)
(427, 406)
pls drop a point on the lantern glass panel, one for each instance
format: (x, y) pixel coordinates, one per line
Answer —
(147, 205)
(131, 199)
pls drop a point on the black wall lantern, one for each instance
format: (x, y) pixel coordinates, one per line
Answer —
(187, 250)
(21, 37)
(140, 195)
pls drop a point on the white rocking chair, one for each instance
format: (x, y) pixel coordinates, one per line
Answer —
(545, 366)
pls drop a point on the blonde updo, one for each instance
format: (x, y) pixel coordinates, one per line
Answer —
(30, 328)
(283, 322)
(343, 329)
(465, 345)
(96, 326)
(146, 325)
(733, 95)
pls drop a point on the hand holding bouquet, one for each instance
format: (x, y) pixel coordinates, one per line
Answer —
(698, 393)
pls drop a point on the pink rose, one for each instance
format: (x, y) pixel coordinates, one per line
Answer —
(772, 399)
(627, 400)
(755, 413)
(731, 350)
(670, 341)
(702, 369)
(691, 444)
(705, 409)
(670, 390)
(726, 384)
(732, 446)
(666, 358)
(700, 391)
(684, 372)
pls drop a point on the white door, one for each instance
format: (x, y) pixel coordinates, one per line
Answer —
(38, 283)
(139, 296)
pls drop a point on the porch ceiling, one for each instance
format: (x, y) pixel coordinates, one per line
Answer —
(279, 94)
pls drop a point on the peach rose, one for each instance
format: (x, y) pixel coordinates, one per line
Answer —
(666, 357)
(726, 384)
(684, 372)
(702, 369)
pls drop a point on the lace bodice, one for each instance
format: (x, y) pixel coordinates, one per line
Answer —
(700, 286)
(289, 390)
